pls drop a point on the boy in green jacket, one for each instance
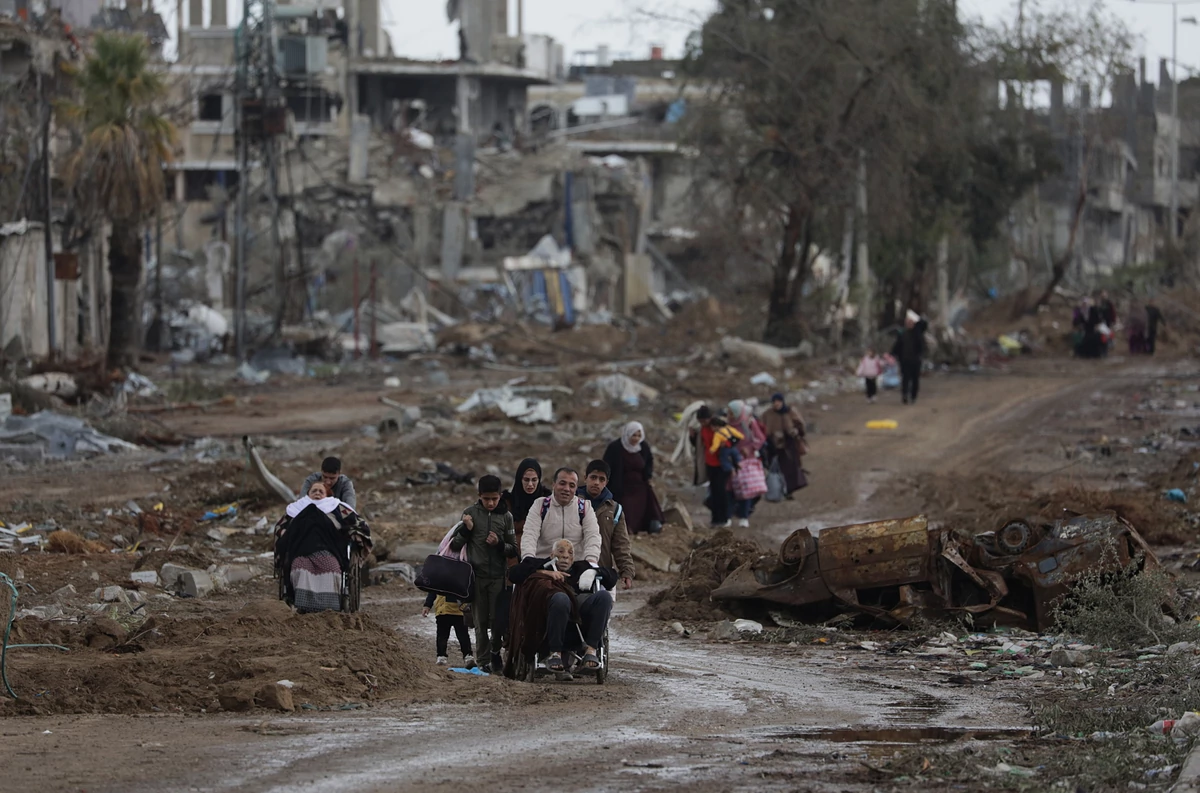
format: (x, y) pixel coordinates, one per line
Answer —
(487, 532)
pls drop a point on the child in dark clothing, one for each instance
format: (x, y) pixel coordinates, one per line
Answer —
(448, 613)
(487, 533)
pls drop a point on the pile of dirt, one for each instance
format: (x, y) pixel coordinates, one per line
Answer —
(194, 664)
(991, 501)
(690, 597)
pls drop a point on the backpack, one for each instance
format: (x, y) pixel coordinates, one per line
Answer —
(546, 507)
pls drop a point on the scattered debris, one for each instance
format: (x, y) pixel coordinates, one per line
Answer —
(622, 388)
(57, 436)
(506, 400)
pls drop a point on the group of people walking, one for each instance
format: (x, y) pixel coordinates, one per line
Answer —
(734, 451)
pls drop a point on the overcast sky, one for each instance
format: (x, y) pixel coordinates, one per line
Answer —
(419, 28)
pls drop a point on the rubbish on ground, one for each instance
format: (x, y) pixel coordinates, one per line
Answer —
(763, 379)
(749, 626)
(475, 670)
(139, 385)
(882, 424)
(268, 479)
(526, 411)
(622, 388)
(1177, 495)
(60, 384)
(1009, 344)
(249, 374)
(57, 435)
(391, 382)
(220, 513)
(898, 569)
(396, 338)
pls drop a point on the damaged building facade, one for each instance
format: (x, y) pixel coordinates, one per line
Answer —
(411, 173)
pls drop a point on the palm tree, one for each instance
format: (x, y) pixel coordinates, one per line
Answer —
(116, 171)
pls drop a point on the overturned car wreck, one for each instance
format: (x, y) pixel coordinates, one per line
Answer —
(896, 570)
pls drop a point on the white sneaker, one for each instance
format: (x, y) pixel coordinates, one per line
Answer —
(744, 523)
(442, 660)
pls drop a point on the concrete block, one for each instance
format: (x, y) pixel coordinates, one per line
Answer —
(145, 577)
(64, 593)
(111, 594)
(170, 574)
(195, 584)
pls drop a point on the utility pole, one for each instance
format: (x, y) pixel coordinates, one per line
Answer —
(865, 299)
(1173, 234)
(51, 283)
(258, 112)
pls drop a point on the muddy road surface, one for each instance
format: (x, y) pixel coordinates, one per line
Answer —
(677, 711)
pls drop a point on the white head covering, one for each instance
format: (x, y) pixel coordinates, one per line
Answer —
(739, 415)
(627, 434)
(326, 505)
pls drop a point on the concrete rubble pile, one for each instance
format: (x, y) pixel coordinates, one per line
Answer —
(48, 434)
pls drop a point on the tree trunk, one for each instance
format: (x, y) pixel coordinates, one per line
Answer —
(125, 267)
(781, 312)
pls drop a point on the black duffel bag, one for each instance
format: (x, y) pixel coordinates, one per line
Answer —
(442, 575)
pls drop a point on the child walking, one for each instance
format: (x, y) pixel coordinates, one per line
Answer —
(487, 532)
(869, 369)
(448, 613)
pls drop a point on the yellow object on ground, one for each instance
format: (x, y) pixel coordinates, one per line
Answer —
(882, 424)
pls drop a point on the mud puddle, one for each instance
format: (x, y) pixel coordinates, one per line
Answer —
(900, 735)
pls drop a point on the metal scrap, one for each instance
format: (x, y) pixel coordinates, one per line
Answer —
(898, 569)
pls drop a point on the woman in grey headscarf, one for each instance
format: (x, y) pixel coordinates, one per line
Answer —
(632, 465)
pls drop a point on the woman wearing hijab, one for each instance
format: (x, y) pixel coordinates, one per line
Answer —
(749, 482)
(632, 465)
(527, 488)
(785, 442)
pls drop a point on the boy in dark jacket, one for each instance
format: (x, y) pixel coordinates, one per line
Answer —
(487, 532)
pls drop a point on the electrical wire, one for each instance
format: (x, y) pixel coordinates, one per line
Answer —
(5, 646)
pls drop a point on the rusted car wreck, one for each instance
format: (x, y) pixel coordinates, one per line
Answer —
(895, 570)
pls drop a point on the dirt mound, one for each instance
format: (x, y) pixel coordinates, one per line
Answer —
(168, 663)
(690, 597)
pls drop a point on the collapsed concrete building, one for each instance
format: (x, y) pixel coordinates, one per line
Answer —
(432, 175)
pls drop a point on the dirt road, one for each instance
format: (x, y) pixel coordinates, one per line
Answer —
(676, 711)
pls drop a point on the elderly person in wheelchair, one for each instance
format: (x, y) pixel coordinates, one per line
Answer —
(321, 545)
(559, 605)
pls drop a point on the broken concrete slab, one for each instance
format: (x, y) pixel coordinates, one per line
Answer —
(195, 584)
(268, 479)
(64, 593)
(678, 515)
(144, 577)
(171, 573)
(111, 594)
(657, 559)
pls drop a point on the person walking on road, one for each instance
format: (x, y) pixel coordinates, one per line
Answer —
(708, 468)
(632, 464)
(910, 350)
(750, 480)
(785, 443)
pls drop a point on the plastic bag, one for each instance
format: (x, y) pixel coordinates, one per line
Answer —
(776, 484)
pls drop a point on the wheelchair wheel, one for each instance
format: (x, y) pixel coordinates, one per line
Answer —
(602, 672)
